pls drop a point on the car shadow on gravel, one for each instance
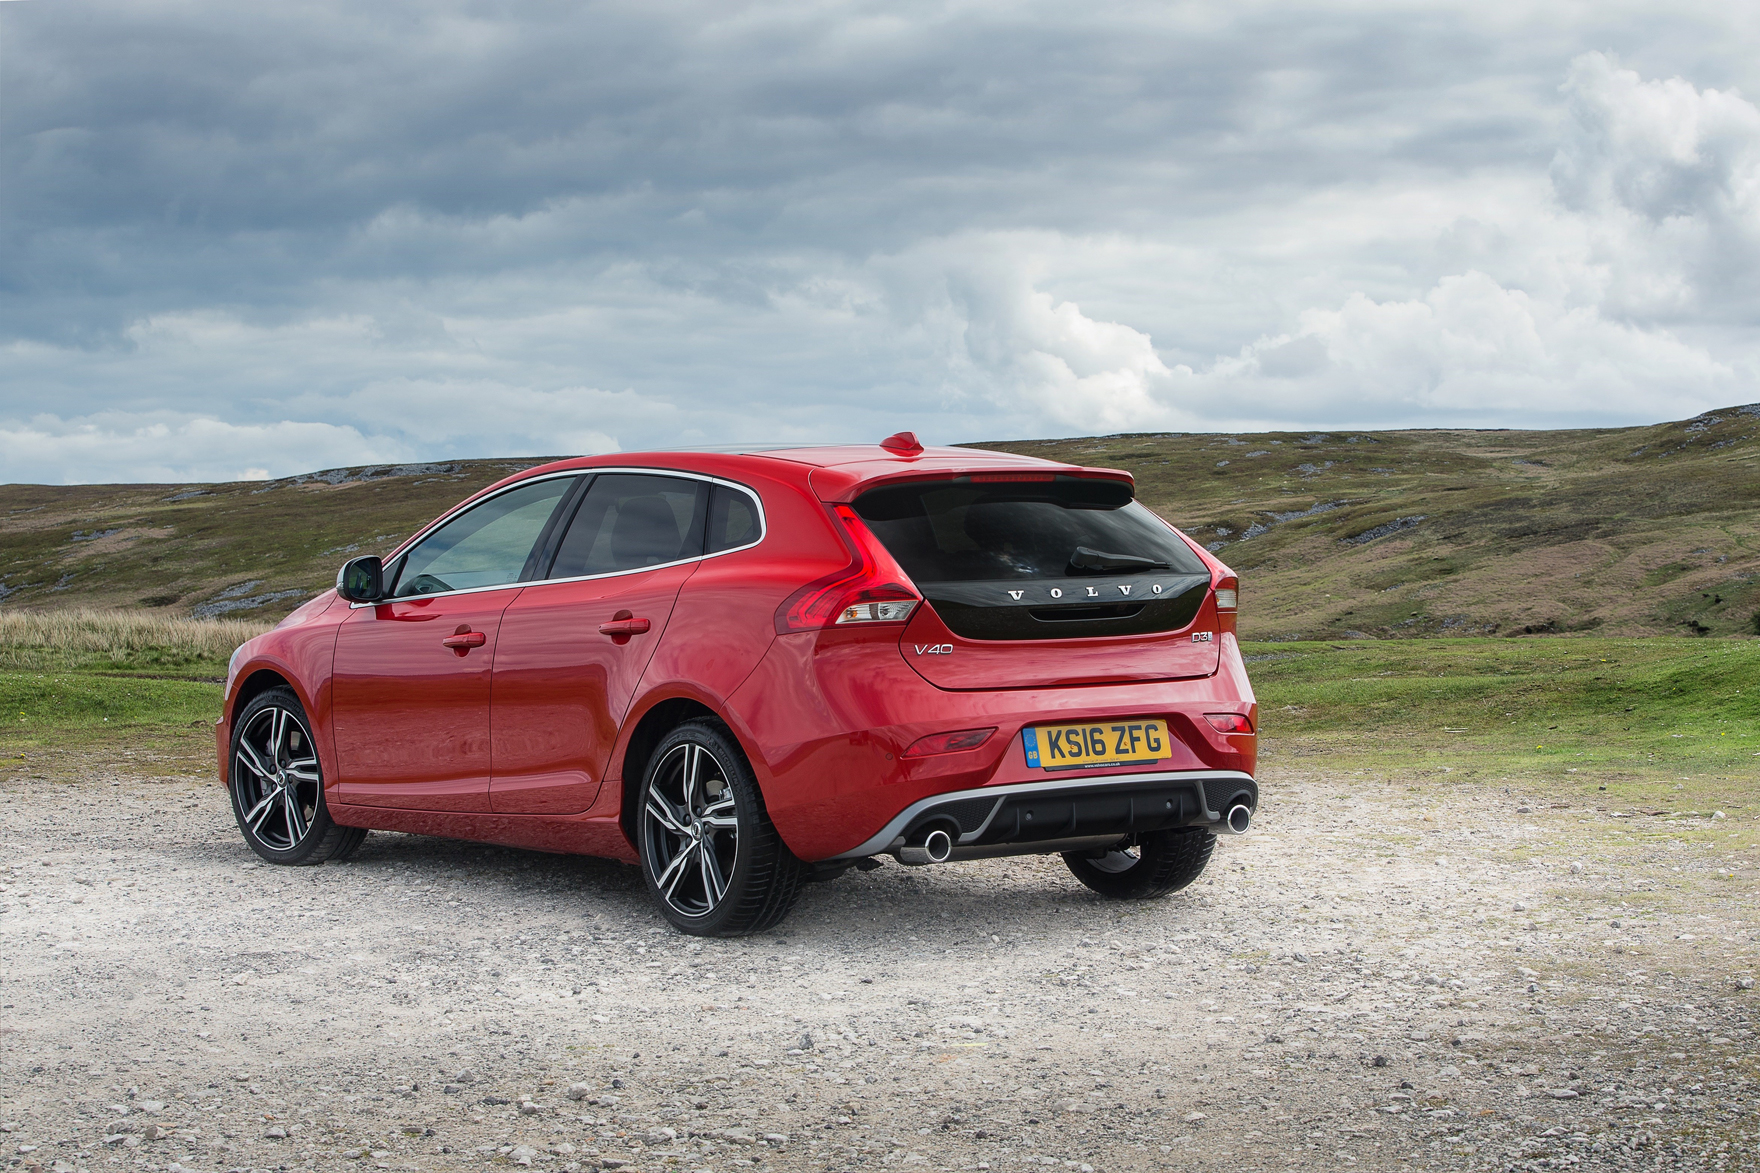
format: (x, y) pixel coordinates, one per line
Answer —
(887, 906)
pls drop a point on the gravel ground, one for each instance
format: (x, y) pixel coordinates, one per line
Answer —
(1377, 977)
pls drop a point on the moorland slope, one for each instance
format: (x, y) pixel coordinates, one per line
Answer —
(1627, 531)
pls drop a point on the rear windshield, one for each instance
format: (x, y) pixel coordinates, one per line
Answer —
(1067, 528)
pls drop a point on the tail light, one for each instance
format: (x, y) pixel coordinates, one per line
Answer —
(873, 588)
(1229, 722)
(1228, 595)
(948, 742)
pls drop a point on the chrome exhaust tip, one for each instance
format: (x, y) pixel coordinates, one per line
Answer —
(1239, 820)
(936, 847)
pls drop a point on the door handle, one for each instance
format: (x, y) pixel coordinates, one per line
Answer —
(464, 640)
(624, 626)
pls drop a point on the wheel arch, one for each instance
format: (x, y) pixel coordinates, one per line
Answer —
(259, 681)
(654, 724)
(253, 681)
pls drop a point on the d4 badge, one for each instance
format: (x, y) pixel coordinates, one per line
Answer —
(1202, 637)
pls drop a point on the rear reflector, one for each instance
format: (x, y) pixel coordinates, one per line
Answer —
(1229, 722)
(948, 742)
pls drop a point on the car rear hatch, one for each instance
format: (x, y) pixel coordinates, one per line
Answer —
(1043, 579)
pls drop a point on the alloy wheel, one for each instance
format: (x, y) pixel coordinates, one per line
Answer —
(276, 780)
(690, 824)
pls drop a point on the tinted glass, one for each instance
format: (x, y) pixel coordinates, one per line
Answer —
(942, 532)
(629, 520)
(486, 546)
(733, 520)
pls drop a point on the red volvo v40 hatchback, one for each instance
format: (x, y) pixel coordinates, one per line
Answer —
(744, 672)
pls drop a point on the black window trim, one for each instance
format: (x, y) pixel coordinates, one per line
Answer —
(548, 540)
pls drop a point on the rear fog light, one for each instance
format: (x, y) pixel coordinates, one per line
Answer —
(948, 742)
(1229, 722)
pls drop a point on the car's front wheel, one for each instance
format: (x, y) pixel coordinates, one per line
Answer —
(710, 855)
(277, 785)
(1160, 862)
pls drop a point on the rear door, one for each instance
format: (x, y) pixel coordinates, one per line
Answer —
(1040, 580)
(412, 674)
(572, 648)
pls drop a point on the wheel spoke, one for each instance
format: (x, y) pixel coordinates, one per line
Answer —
(714, 883)
(255, 817)
(277, 732)
(693, 764)
(305, 769)
(721, 815)
(290, 816)
(662, 812)
(668, 879)
(248, 755)
(297, 814)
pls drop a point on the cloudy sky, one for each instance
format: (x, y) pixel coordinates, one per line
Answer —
(249, 240)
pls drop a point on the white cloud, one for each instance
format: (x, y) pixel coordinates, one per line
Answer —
(1474, 352)
(119, 447)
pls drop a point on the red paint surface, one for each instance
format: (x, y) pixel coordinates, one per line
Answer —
(411, 715)
(562, 686)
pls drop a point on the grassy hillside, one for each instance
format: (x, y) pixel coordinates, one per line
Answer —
(1629, 531)
(1623, 531)
(253, 549)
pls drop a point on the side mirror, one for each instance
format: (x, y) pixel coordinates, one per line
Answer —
(361, 580)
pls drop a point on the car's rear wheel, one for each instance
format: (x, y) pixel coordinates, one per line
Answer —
(277, 785)
(1160, 862)
(710, 855)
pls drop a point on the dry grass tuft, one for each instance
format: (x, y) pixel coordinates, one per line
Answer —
(29, 638)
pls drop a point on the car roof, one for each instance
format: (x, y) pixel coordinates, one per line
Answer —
(836, 472)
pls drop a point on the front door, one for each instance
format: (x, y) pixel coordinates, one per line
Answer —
(412, 674)
(572, 649)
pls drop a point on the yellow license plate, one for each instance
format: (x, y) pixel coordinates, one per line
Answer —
(1106, 743)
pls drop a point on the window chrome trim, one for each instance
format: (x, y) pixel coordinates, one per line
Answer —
(422, 535)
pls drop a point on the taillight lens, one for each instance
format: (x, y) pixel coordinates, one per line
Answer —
(1228, 595)
(873, 588)
(948, 742)
(1229, 722)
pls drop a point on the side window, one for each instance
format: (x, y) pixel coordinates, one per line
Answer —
(733, 519)
(488, 545)
(630, 520)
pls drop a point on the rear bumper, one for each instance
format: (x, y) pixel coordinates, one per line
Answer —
(1032, 817)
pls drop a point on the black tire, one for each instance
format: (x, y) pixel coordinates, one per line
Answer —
(701, 826)
(277, 785)
(1161, 862)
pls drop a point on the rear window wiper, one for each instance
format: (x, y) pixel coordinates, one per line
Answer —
(1099, 561)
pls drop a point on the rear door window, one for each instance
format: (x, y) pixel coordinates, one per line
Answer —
(627, 521)
(1047, 559)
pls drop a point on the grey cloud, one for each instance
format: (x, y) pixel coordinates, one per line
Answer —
(638, 224)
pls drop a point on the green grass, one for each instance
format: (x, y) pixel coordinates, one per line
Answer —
(39, 707)
(1664, 722)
